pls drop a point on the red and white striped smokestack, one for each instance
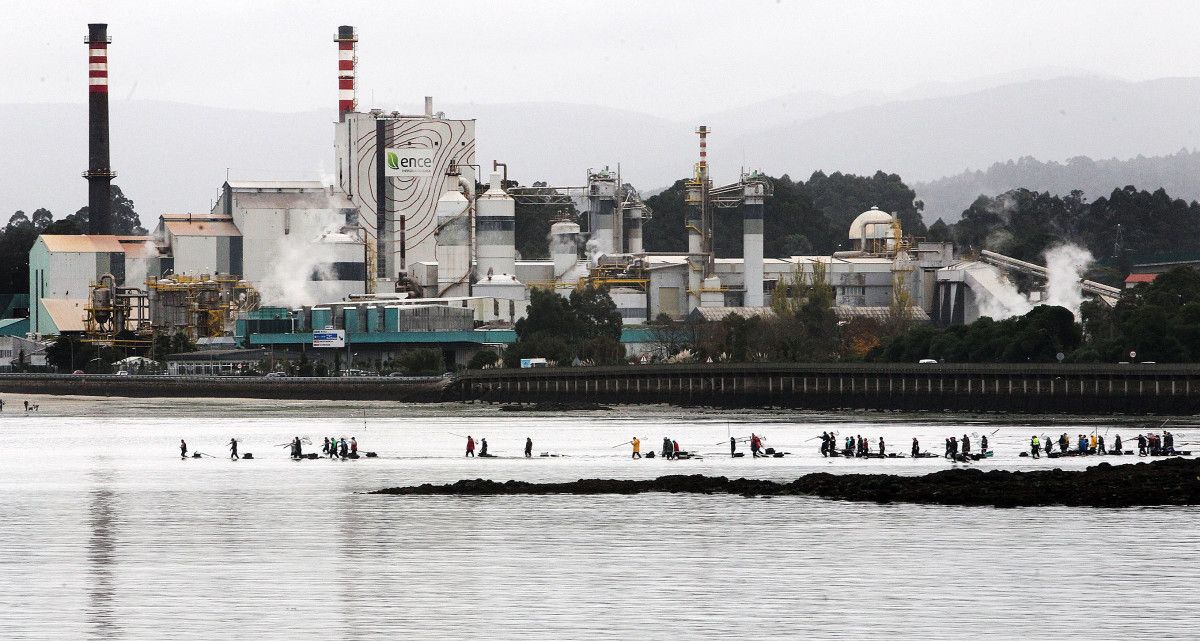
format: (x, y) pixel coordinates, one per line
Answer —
(99, 175)
(346, 40)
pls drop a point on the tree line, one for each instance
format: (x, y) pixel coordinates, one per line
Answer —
(18, 236)
(1157, 321)
(1126, 226)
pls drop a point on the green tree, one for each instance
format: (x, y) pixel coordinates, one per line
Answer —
(125, 219)
(482, 359)
(566, 329)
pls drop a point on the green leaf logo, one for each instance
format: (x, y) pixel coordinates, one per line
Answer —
(392, 160)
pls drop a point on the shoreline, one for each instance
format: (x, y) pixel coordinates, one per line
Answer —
(1173, 481)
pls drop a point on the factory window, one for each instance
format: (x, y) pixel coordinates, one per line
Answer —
(340, 271)
(496, 307)
(853, 291)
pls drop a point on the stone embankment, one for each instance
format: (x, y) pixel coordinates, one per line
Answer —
(1174, 481)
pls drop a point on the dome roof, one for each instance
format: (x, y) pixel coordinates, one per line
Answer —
(879, 222)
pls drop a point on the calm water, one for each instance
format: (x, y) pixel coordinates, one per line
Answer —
(108, 534)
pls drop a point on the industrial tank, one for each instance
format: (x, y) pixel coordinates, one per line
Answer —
(453, 240)
(495, 231)
(564, 247)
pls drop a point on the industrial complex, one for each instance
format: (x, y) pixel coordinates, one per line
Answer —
(411, 244)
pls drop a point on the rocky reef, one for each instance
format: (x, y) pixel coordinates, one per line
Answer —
(1174, 481)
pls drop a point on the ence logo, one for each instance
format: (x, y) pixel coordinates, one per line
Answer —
(408, 162)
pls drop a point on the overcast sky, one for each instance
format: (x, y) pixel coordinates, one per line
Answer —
(672, 58)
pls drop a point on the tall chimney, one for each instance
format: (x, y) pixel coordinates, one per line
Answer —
(752, 241)
(99, 175)
(346, 40)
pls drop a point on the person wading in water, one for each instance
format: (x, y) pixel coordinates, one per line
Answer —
(528, 447)
(233, 449)
(470, 447)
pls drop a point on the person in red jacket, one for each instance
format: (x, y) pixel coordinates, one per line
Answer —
(470, 447)
(675, 449)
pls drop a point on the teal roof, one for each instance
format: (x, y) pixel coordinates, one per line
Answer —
(479, 337)
(14, 327)
(10, 303)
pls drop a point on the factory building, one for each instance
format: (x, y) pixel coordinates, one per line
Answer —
(63, 268)
(406, 248)
(296, 226)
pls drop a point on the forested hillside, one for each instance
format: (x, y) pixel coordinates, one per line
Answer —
(946, 198)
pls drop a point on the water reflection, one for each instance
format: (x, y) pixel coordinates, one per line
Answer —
(102, 554)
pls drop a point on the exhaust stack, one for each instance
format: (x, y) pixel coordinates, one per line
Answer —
(99, 174)
(752, 241)
(346, 40)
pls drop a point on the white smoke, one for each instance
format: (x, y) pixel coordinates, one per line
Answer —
(136, 272)
(1066, 265)
(1002, 300)
(290, 282)
(593, 251)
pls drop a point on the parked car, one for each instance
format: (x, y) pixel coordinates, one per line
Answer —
(927, 361)
(122, 372)
(276, 374)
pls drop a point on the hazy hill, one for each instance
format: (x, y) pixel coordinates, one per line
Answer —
(172, 157)
(946, 198)
(929, 138)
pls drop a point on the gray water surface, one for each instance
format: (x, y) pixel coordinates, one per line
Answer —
(107, 534)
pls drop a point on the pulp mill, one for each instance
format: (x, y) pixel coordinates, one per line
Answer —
(410, 245)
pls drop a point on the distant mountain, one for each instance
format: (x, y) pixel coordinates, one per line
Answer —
(934, 137)
(946, 198)
(172, 157)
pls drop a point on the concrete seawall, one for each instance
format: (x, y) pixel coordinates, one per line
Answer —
(1076, 389)
(412, 390)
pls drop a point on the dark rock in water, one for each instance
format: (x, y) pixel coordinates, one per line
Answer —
(1174, 481)
(554, 407)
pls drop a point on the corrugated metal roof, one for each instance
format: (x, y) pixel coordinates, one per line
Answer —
(719, 313)
(201, 227)
(292, 200)
(254, 185)
(82, 243)
(138, 247)
(1140, 278)
(67, 313)
(14, 326)
(846, 312)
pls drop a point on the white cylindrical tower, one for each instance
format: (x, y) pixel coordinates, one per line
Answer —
(495, 231)
(453, 240)
(697, 260)
(711, 294)
(634, 213)
(752, 242)
(602, 195)
(564, 248)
